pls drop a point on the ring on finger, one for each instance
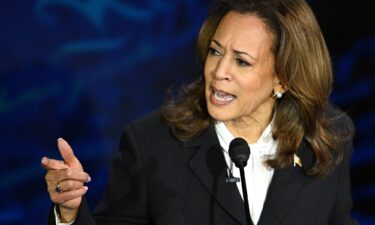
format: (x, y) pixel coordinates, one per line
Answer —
(58, 188)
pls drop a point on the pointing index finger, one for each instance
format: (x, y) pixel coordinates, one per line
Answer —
(53, 164)
(67, 153)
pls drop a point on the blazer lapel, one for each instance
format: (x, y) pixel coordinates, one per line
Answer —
(209, 165)
(285, 186)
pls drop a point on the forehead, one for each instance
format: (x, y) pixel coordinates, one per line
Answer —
(243, 28)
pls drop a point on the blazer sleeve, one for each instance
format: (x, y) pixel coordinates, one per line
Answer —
(341, 212)
(125, 198)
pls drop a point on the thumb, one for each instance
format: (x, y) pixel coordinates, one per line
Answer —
(67, 154)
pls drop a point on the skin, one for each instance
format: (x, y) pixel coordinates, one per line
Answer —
(240, 62)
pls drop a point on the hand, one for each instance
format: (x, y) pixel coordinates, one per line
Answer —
(65, 181)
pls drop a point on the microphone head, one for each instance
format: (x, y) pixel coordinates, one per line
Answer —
(239, 152)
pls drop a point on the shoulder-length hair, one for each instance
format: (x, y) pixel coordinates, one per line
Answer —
(302, 64)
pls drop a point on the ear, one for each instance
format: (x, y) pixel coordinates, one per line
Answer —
(280, 87)
(278, 90)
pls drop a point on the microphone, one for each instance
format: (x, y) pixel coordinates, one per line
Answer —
(239, 152)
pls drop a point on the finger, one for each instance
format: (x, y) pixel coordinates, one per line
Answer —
(63, 187)
(53, 164)
(68, 185)
(63, 197)
(67, 153)
(53, 177)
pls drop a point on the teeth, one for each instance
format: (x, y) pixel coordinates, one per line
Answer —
(222, 96)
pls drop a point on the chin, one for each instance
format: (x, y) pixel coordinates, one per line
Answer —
(219, 114)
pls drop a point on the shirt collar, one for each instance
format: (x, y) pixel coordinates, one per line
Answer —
(225, 136)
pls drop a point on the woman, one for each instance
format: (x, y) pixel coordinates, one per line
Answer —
(267, 79)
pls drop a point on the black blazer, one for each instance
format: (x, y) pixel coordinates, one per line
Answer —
(156, 179)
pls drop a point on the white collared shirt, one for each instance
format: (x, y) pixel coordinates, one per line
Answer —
(258, 175)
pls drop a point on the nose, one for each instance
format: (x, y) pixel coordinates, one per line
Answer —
(222, 69)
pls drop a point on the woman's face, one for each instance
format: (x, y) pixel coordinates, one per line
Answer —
(239, 70)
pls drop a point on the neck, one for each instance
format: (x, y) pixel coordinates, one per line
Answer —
(249, 129)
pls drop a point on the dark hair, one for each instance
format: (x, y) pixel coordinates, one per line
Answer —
(302, 64)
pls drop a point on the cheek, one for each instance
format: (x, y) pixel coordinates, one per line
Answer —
(250, 87)
(255, 91)
(206, 77)
(207, 69)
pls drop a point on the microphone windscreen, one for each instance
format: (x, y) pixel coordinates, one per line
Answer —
(239, 152)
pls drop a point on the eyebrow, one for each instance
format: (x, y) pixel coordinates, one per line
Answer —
(237, 52)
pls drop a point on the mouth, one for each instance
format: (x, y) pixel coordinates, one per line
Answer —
(220, 97)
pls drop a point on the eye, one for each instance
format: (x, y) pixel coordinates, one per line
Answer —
(241, 62)
(213, 51)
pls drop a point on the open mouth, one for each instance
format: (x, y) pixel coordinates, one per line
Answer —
(221, 97)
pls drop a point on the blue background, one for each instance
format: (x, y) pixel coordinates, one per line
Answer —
(83, 69)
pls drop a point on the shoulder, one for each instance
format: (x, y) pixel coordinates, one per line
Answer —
(151, 119)
(149, 130)
(149, 125)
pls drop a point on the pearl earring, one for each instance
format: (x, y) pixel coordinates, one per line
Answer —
(278, 94)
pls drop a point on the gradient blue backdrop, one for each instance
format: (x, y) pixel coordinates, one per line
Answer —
(83, 69)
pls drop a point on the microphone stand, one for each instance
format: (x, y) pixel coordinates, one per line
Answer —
(239, 152)
(244, 193)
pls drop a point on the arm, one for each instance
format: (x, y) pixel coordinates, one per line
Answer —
(125, 198)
